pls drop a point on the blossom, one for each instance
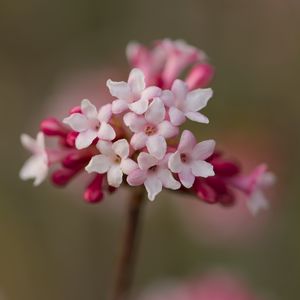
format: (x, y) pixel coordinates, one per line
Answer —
(132, 94)
(189, 159)
(184, 104)
(36, 167)
(153, 173)
(113, 160)
(91, 124)
(152, 129)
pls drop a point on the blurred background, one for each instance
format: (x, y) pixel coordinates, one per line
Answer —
(54, 53)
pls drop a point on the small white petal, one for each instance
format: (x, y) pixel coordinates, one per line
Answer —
(40, 142)
(156, 112)
(99, 164)
(29, 143)
(105, 147)
(257, 202)
(197, 99)
(140, 106)
(180, 89)
(136, 81)
(85, 139)
(175, 164)
(203, 150)
(153, 186)
(157, 146)
(177, 117)
(134, 122)
(105, 113)
(197, 117)
(77, 122)
(187, 142)
(115, 176)
(118, 106)
(168, 180)
(138, 140)
(120, 90)
(106, 132)
(167, 130)
(167, 98)
(146, 161)
(128, 165)
(121, 148)
(137, 177)
(202, 168)
(88, 109)
(151, 92)
(186, 177)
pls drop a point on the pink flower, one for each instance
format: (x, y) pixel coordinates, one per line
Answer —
(90, 124)
(184, 104)
(152, 129)
(36, 167)
(132, 94)
(113, 160)
(153, 173)
(189, 159)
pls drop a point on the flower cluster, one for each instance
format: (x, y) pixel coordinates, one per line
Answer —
(135, 140)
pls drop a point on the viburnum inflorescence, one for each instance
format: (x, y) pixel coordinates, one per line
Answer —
(136, 139)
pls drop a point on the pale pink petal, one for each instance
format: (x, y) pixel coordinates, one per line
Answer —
(137, 177)
(197, 99)
(187, 142)
(151, 92)
(156, 112)
(77, 122)
(40, 142)
(257, 202)
(118, 106)
(29, 143)
(180, 90)
(168, 180)
(99, 164)
(186, 177)
(167, 98)
(120, 90)
(157, 146)
(134, 122)
(197, 117)
(202, 168)
(153, 186)
(167, 130)
(128, 165)
(105, 147)
(136, 81)
(146, 161)
(105, 113)
(138, 140)
(88, 109)
(140, 106)
(203, 150)
(85, 139)
(175, 164)
(115, 176)
(121, 148)
(106, 132)
(177, 117)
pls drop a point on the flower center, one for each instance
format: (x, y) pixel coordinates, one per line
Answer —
(152, 169)
(184, 157)
(117, 159)
(150, 129)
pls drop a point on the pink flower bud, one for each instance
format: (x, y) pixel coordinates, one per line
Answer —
(93, 192)
(53, 127)
(63, 176)
(200, 76)
(76, 160)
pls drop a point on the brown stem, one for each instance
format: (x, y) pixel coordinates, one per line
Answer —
(128, 250)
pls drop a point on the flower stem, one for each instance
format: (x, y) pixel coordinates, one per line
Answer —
(128, 251)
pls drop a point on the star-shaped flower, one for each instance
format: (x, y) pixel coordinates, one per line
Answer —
(132, 94)
(189, 159)
(90, 124)
(36, 167)
(113, 160)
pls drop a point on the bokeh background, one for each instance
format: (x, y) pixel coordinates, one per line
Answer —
(53, 53)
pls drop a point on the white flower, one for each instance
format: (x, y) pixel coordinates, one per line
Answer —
(132, 94)
(189, 159)
(153, 173)
(184, 104)
(36, 167)
(90, 124)
(113, 160)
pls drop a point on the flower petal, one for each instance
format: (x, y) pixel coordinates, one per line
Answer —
(197, 117)
(85, 139)
(118, 106)
(121, 148)
(187, 142)
(99, 164)
(128, 165)
(156, 112)
(151, 92)
(115, 176)
(180, 90)
(77, 122)
(197, 99)
(167, 98)
(88, 109)
(105, 113)
(140, 106)
(175, 164)
(105, 148)
(202, 169)
(138, 140)
(157, 146)
(203, 150)
(106, 132)
(136, 81)
(167, 130)
(120, 90)
(186, 177)
(146, 161)
(257, 202)
(153, 186)
(29, 143)
(134, 122)
(168, 180)
(177, 117)
(137, 177)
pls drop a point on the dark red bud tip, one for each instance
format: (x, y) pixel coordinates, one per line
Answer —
(53, 127)
(200, 76)
(225, 168)
(71, 138)
(76, 160)
(93, 192)
(63, 176)
(75, 110)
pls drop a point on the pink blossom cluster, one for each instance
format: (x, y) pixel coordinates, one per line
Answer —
(136, 139)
